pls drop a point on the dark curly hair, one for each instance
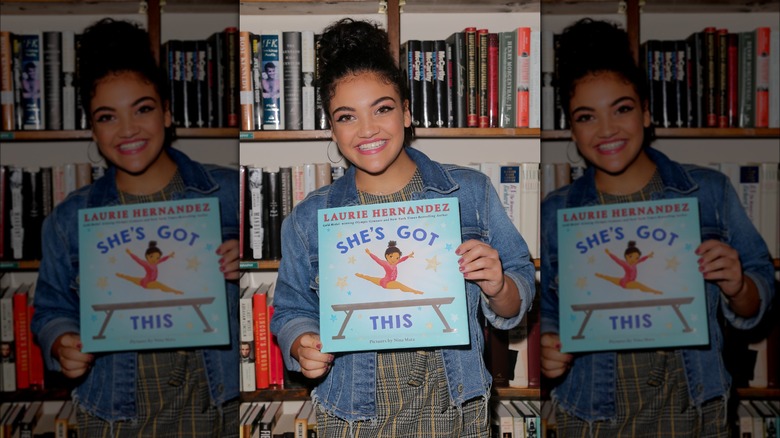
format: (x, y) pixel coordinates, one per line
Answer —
(349, 47)
(110, 47)
(590, 47)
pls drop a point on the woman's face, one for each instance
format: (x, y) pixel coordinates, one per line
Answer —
(608, 121)
(128, 123)
(368, 120)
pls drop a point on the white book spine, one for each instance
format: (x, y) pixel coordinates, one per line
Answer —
(535, 85)
(770, 207)
(548, 92)
(307, 75)
(68, 81)
(529, 206)
(774, 78)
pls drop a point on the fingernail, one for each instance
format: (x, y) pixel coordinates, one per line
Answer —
(461, 268)
(79, 345)
(318, 346)
(221, 269)
(558, 346)
(701, 268)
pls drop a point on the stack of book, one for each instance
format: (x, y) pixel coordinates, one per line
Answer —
(38, 419)
(293, 419)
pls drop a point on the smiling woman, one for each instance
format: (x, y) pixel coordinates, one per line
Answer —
(155, 393)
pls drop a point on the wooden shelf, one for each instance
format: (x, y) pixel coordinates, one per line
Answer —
(109, 7)
(418, 133)
(19, 265)
(284, 135)
(227, 133)
(517, 393)
(274, 394)
(691, 133)
(273, 265)
(304, 7)
(601, 7)
(759, 393)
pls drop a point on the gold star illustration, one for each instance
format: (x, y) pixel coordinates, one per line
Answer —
(591, 259)
(351, 260)
(672, 263)
(582, 282)
(433, 263)
(429, 325)
(341, 283)
(193, 263)
(102, 282)
(112, 260)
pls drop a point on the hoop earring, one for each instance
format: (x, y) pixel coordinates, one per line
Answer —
(577, 158)
(327, 152)
(97, 151)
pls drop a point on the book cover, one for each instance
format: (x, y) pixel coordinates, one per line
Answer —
(292, 81)
(150, 276)
(389, 276)
(631, 276)
(272, 73)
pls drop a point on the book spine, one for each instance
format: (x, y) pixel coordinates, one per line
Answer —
(534, 90)
(548, 91)
(691, 69)
(669, 55)
(681, 86)
(497, 346)
(506, 81)
(248, 379)
(211, 80)
(534, 348)
(440, 79)
(561, 121)
(529, 206)
(428, 104)
(410, 66)
(275, 362)
(320, 115)
(298, 186)
(291, 57)
(518, 346)
(231, 77)
(747, 90)
(260, 321)
(257, 83)
(483, 51)
(31, 70)
(472, 75)
(710, 77)
(36, 357)
(16, 208)
(272, 213)
(774, 78)
(523, 75)
(492, 80)
(255, 205)
(6, 82)
(285, 191)
(762, 77)
(770, 207)
(200, 72)
(308, 61)
(218, 87)
(723, 78)
(68, 80)
(272, 74)
(190, 84)
(242, 211)
(246, 96)
(52, 71)
(176, 71)
(22, 340)
(733, 79)
(460, 77)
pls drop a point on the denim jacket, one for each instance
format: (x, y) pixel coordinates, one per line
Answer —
(108, 390)
(348, 391)
(588, 390)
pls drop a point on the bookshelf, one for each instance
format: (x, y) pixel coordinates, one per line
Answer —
(411, 20)
(669, 20)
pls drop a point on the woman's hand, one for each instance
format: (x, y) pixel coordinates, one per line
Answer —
(67, 350)
(719, 263)
(553, 362)
(480, 263)
(228, 263)
(307, 351)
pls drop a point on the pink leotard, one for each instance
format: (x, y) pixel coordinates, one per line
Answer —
(391, 271)
(151, 270)
(630, 274)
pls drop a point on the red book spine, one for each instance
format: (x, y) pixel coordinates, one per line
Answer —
(275, 363)
(482, 77)
(762, 77)
(711, 77)
(733, 80)
(523, 75)
(534, 348)
(492, 102)
(260, 323)
(22, 337)
(36, 357)
(471, 77)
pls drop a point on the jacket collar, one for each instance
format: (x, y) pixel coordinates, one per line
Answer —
(104, 191)
(343, 191)
(673, 175)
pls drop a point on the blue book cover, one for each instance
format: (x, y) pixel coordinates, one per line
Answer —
(389, 276)
(629, 276)
(150, 278)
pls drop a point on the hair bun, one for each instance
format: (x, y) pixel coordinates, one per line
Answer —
(347, 40)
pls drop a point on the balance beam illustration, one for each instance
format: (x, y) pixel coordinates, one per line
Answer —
(111, 308)
(589, 308)
(433, 302)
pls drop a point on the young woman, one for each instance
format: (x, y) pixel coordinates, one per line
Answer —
(157, 393)
(663, 393)
(430, 392)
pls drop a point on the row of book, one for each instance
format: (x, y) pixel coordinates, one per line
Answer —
(261, 358)
(714, 78)
(203, 80)
(39, 81)
(39, 419)
(28, 195)
(474, 78)
(512, 356)
(278, 419)
(268, 195)
(21, 362)
(516, 418)
(758, 418)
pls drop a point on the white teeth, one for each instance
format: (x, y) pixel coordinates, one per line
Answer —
(610, 146)
(371, 146)
(131, 146)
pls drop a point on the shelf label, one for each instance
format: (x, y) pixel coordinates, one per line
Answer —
(248, 265)
(6, 135)
(246, 135)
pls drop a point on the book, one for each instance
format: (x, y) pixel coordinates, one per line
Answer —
(155, 265)
(774, 78)
(769, 206)
(302, 419)
(7, 348)
(419, 303)
(694, 50)
(246, 339)
(532, 418)
(30, 417)
(534, 90)
(272, 215)
(255, 207)
(534, 347)
(517, 344)
(22, 335)
(523, 81)
(31, 85)
(518, 421)
(497, 357)
(710, 58)
(492, 80)
(68, 80)
(440, 81)
(285, 422)
(190, 84)
(272, 73)
(456, 64)
(528, 204)
(506, 80)
(747, 72)
(231, 76)
(472, 75)
(320, 113)
(61, 419)
(261, 336)
(292, 81)
(52, 69)
(45, 424)
(723, 77)
(613, 297)
(267, 422)
(503, 422)
(308, 66)
(411, 67)
(483, 51)
(202, 88)
(245, 87)
(7, 118)
(762, 79)
(217, 44)
(548, 72)
(680, 85)
(427, 95)
(733, 79)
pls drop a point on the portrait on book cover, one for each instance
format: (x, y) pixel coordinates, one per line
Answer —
(149, 276)
(629, 278)
(389, 276)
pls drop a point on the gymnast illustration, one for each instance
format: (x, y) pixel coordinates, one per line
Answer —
(392, 259)
(153, 258)
(633, 257)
